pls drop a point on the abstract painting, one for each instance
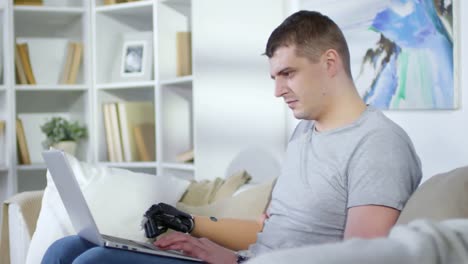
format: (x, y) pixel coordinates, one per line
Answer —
(402, 51)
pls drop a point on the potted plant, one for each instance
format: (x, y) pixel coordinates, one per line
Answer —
(62, 134)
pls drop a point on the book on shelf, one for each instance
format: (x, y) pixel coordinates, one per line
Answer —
(76, 62)
(186, 156)
(109, 135)
(20, 73)
(115, 130)
(132, 114)
(2, 127)
(184, 53)
(28, 2)
(23, 152)
(145, 141)
(23, 51)
(68, 63)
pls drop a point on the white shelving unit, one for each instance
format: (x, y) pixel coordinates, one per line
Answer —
(100, 28)
(71, 22)
(173, 122)
(230, 109)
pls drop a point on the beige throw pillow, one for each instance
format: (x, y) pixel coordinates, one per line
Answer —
(248, 204)
(200, 193)
(231, 185)
(441, 197)
(206, 191)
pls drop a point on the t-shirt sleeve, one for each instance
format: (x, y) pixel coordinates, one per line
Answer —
(384, 170)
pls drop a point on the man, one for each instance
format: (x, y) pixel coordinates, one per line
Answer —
(349, 170)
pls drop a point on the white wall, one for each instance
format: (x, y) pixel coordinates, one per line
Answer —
(236, 113)
(440, 137)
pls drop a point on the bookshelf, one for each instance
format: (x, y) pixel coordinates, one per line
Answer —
(35, 103)
(185, 116)
(136, 18)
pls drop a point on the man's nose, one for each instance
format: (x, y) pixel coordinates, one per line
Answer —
(280, 87)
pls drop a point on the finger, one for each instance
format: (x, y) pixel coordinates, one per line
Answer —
(171, 236)
(196, 250)
(205, 242)
(176, 237)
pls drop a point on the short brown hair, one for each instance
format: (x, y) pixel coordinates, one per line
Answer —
(312, 33)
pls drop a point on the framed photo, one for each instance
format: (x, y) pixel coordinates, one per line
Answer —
(134, 58)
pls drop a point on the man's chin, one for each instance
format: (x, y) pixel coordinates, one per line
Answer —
(298, 115)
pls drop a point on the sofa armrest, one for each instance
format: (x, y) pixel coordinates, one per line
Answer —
(21, 209)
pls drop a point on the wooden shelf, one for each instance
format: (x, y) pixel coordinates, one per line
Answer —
(179, 166)
(186, 80)
(48, 10)
(54, 15)
(126, 85)
(50, 88)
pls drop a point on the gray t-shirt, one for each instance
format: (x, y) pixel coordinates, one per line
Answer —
(369, 162)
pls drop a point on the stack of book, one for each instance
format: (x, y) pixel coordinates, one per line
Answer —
(130, 131)
(30, 52)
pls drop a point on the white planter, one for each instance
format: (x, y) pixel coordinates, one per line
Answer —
(67, 146)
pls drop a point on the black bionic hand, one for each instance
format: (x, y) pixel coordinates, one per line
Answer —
(159, 217)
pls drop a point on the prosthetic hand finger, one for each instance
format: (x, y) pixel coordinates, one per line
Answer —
(162, 216)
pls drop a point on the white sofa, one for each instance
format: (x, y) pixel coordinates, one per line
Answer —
(22, 212)
(18, 224)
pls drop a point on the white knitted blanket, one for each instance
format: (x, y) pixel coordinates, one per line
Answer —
(421, 241)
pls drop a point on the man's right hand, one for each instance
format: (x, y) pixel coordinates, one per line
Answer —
(201, 248)
(159, 217)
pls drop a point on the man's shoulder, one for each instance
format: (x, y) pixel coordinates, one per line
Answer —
(378, 124)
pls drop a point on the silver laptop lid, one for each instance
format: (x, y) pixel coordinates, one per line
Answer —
(72, 197)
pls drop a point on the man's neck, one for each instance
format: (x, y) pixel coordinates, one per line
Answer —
(342, 111)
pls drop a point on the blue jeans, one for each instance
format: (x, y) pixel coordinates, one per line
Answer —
(74, 249)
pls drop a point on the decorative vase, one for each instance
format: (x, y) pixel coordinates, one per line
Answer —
(67, 146)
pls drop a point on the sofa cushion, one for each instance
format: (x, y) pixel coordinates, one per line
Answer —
(207, 191)
(117, 199)
(441, 197)
(248, 204)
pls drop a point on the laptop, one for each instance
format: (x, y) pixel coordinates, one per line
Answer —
(81, 217)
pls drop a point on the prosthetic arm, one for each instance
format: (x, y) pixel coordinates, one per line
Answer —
(235, 234)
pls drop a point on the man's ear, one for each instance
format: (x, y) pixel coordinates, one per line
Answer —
(332, 62)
